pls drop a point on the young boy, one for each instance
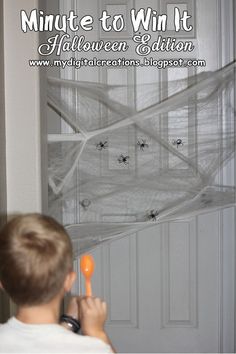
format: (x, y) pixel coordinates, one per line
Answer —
(36, 272)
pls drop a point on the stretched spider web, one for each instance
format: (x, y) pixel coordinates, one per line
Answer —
(139, 154)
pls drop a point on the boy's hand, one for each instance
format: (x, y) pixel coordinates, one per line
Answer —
(93, 315)
(90, 311)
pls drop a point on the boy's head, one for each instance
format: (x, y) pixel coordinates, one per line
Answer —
(35, 259)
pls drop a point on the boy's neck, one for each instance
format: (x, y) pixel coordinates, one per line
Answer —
(40, 314)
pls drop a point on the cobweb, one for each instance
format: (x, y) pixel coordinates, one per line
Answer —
(138, 155)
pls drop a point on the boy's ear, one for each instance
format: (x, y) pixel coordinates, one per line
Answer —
(69, 281)
(1, 287)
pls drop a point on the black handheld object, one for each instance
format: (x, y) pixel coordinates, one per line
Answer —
(71, 322)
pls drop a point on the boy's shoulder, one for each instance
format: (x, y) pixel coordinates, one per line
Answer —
(19, 337)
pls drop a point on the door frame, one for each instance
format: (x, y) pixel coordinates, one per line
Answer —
(227, 13)
(234, 58)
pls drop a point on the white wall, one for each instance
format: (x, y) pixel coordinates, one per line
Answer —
(3, 206)
(4, 301)
(22, 112)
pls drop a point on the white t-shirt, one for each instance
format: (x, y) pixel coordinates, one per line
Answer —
(19, 337)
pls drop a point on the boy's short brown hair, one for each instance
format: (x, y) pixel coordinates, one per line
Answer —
(35, 257)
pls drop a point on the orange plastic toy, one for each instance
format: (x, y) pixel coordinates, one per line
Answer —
(87, 266)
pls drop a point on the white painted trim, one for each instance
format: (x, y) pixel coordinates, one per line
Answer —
(43, 124)
(23, 135)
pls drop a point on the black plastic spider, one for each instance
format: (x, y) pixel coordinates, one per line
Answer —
(85, 203)
(142, 144)
(123, 159)
(152, 215)
(102, 145)
(178, 142)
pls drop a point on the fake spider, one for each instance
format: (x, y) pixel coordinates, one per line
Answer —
(123, 159)
(178, 142)
(152, 215)
(102, 145)
(85, 203)
(142, 144)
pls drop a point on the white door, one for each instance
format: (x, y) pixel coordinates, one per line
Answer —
(169, 288)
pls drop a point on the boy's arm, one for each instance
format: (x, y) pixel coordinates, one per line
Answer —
(92, 314)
